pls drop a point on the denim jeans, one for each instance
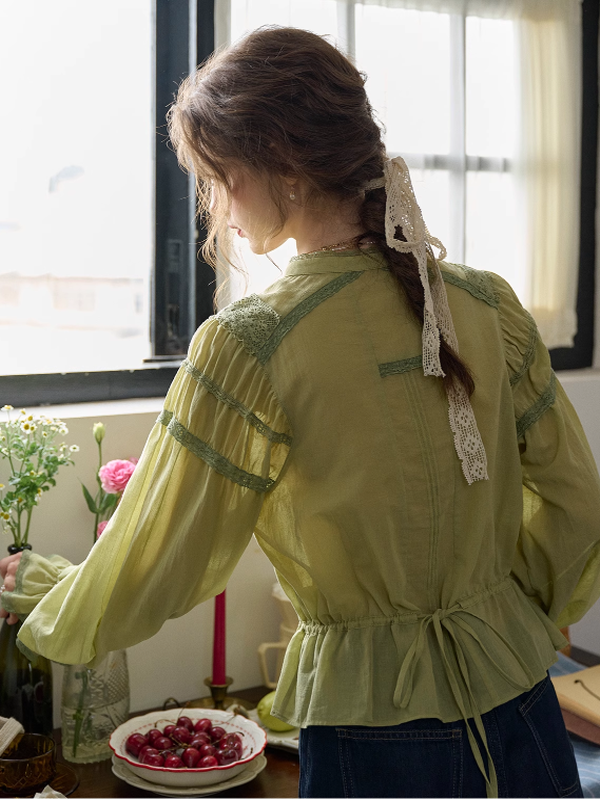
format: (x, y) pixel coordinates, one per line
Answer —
(526, 737)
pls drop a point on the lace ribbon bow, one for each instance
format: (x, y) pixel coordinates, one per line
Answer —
(403, 210)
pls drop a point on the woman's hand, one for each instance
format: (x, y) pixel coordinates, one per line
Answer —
(8, 571)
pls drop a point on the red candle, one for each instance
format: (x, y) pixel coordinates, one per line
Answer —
(218, 674)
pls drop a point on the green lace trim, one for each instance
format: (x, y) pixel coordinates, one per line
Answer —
(250, 320)
(398, 367)
(478, 283)
(541, 405)
(211, 457)
(260, 329)
(301, 310)
(529, 351)
(212, 387)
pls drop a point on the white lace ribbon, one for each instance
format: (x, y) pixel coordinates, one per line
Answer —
(403, 210)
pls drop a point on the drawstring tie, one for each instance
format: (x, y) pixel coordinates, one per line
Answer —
(445, 622)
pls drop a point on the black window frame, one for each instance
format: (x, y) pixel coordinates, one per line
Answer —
(581, 355)
(183, 285)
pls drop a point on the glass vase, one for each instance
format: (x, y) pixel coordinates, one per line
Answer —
(94, 703)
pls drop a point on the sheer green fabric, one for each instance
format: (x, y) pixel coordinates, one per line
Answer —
(417, 595)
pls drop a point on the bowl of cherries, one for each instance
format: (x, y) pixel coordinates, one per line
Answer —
(188, 748)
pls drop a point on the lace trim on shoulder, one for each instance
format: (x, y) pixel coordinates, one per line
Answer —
(301, 310)
(529, 351)
(250, 320)
(478, 283)
(211, 457)
(399, 367)
(221, 395)
(541, 405)
(260, 328)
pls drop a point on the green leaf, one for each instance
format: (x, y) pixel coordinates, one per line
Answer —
(89, 500)
(108, 501)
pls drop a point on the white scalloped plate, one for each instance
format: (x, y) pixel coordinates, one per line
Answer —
(122, 771)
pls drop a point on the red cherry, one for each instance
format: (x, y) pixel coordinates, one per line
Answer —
(231, 740)
(207, 750)
(153, 734)
(145, 749)
(208, 761)
(190, 757)
(134, 743)
(173, 762)
(217, 733)
(203, 725)
(186, 722)
(169, 730)
(153, 759)
(162, 743)
(227, 756)
(200, 739)
(181, 735)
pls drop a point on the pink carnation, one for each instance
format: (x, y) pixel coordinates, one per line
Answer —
(115, 475)
(100, 528)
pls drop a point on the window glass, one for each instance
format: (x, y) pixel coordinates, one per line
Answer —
(406, 56)
(493, 236)
(445, 89)
(491, 87)
(76, 197)
(319, 16)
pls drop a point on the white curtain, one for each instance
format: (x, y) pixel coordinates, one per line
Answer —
(549, 160)
(546, 164)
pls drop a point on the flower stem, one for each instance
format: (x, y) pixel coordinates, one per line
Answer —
(78, 715)
(24, 540)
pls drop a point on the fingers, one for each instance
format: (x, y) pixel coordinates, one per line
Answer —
(10, 618)
(8, 570)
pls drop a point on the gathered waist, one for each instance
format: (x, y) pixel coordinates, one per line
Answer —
(411, 617)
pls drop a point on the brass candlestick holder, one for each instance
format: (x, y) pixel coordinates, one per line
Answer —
(219, 698)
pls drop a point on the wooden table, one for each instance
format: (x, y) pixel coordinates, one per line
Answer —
(278, 779)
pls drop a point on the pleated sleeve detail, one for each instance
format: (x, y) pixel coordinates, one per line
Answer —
(187, 515)
(557, 563)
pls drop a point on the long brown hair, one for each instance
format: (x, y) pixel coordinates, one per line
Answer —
(285, 102)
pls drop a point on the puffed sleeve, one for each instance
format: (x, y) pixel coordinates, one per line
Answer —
(558, 558)
(189, 510)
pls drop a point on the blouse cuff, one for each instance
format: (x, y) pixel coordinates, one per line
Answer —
(35, 576)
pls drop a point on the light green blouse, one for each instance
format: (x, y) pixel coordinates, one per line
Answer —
(302, 414)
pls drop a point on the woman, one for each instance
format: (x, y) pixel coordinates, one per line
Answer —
(433, 516)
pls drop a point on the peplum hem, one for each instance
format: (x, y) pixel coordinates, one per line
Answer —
(390, 670)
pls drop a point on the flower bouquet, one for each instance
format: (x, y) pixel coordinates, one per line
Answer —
(34, 457)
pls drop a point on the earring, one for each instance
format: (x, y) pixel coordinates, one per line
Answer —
(292, 194)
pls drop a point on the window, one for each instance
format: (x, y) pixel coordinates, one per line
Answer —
(100, 286)
(468, 92)
(77, 163)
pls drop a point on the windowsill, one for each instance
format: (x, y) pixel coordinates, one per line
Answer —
(104, 408)
(589, 373)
